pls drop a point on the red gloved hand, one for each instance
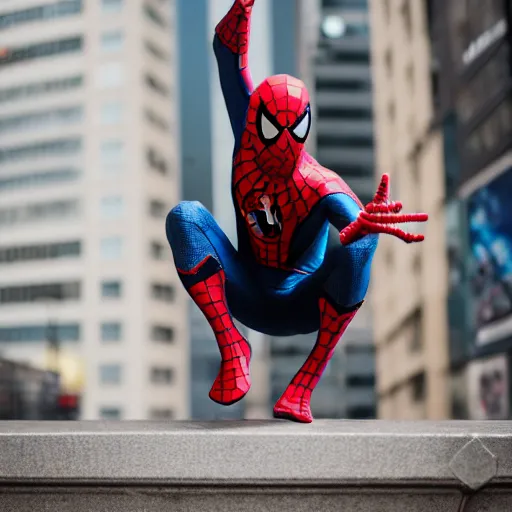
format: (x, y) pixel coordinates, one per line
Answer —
(377, 217)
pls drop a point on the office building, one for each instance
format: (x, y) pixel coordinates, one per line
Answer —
(476, 109)
(89, 167)
(409, 291)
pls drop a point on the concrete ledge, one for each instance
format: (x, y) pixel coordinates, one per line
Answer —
(347, 465)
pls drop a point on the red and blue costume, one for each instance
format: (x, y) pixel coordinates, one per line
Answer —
(305, 241)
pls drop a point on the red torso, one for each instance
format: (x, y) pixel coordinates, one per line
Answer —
(284, 202)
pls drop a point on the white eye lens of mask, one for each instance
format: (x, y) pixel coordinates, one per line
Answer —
(302, 128)
(267, 128)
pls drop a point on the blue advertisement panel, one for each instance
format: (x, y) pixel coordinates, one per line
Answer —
(490, 241)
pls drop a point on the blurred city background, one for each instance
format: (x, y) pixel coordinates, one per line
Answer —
(111, 113)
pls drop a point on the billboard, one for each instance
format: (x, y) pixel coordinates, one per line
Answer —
(490, 241)
(488, 389)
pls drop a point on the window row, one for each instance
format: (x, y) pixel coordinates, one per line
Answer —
(39, 50)
(56, 147)
(37, 212)
(40, 252)
(43, 118)
(42, 12)
(112, 374)
(35, 89)
(109, 332)
(34, 333)
(111, 113)
(72, 291)
(39, 292)
(113, 207)
(51, 251)
(39, 179)
(155, 414)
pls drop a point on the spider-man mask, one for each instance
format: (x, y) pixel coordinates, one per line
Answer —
(278, 124)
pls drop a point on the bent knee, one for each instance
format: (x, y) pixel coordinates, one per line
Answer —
(186, 211)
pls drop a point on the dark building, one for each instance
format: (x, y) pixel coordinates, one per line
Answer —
(473, 42)
(344, 94)
(27, 393)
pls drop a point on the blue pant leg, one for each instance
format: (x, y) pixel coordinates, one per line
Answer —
(194, 236)
(348, 271)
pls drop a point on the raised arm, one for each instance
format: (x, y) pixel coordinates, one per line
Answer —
(231, 46)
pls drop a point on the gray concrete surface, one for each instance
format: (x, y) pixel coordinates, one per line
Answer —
(256, 465)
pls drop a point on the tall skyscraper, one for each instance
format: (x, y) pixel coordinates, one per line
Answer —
(89, 167)
(409, 281)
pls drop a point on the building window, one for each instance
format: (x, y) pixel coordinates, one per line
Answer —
(111, 5)
(19, 54)
(111, 248)
(418, 387)
(157, 209)
(35, 333)
(486, 83)
(112, 41)
(158, 251)
(490, 133)
(157, 121)
(348, 141)
(388, 62)
(361, 413)
(110, 413)
(42, 12)
(161, 414)
(38, 212)
(361, 381)
(387, 10)
(112, 156)
(162, 334)
(42, 119)
(22, 253)
(34, 89)
(345, 113)
(153, 15)
(162, 292)
(52, 148)
(162, 375)
(407, 17)
(112, 113)
(110, 76)
(156, 85)
(39, 179)
(156, 52)
(111, 331)
(110, 374)
(156, 161)
(391, 111)
(111, 289)
(112, 207)
(37, 292)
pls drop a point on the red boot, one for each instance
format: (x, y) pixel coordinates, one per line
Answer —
(294, 404)
(233, 381)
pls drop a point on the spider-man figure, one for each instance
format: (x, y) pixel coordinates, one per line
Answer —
(305, 241)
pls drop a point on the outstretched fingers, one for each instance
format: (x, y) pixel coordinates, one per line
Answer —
(389, 230)
(391, 207)
(392, 218)
(382, 194)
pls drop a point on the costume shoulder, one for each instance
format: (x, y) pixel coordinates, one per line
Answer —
(323, 181)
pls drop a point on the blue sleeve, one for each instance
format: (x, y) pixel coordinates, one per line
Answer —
(235, 90)
(341, 210)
